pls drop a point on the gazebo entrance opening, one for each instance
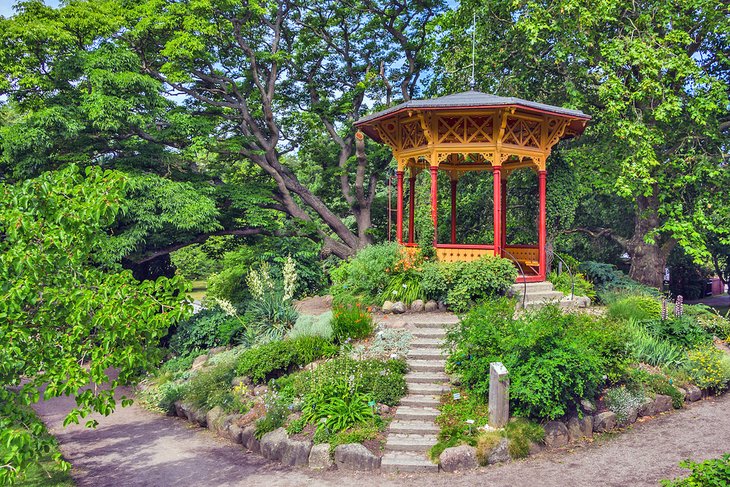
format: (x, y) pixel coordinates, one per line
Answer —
(473, 132)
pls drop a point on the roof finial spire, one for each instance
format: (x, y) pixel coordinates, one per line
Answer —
(473, 81)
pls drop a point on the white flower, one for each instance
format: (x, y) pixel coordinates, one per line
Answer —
(404, 286)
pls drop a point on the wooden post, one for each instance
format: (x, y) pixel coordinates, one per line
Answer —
(504, 211)
(454, 182)
(498, 395)
(541, 230)
(399, 209)
(411, 207)
(497, 173)
(434, 203)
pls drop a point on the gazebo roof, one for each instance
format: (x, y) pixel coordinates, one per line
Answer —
(471, 100)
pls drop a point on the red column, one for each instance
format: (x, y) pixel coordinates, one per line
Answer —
(504, 211)
(454, 182)
(434, 203)
(542, 176)
(399, 209)
(497, 173)
(411, 206)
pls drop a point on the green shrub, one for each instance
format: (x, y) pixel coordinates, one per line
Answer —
(366, 275)
(651, 350)
(655, 384)
(274, 359)
(194, 262)
(435, 280)
(308, 325)
(276, 414)
(682, 331)
(271, 316)
(709, 368)
(351, 321)
(335, 413)
(453, 417)
(710, 473)
(357, 434)
(208, 329)
(229, 284)
(553, 363)
(562, 282)
(211, 387)
(404, 286)
(635, 307)
(709, 319)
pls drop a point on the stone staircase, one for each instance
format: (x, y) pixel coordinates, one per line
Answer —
(413, 431)
(538, 293)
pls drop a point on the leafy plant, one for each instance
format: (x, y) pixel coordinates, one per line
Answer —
(636, 307)
(709, 368)
(308, 325)
(204, 330)
(563, 283)
(710, 473)
(647, 348)
(351, 321)
(365, 276)
(274, 359)
(682, 331)
(404, 286)
(338, 413)
(622, 401)
(211, 387)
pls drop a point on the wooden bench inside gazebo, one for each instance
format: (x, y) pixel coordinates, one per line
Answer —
(474, 131)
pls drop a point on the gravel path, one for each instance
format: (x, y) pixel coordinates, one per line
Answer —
(135, 447)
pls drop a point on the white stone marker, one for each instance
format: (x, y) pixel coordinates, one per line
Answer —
(498, 395)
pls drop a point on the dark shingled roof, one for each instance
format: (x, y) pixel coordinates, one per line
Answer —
(473, 99)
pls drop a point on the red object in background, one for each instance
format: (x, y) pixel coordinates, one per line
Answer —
(717, 287)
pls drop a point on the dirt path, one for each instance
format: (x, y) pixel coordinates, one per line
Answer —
(134, 447)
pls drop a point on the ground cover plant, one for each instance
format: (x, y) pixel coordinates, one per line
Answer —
(710, 473)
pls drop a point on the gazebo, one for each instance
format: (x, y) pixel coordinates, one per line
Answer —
(474, 131)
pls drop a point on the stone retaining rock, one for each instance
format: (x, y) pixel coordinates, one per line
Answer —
(500, 453)
(249, 440)
(355, 456)
(319, 457)
(418, 305)
(663, 403)
(647, 408)
(388, 307)
(215, 419)
(431, 306)
(273, 444)
(399, 308)
(458, 458)
(579, 428)
(693, 393)
(296, 452)
(587, 406)
(199, 361)
(234, 432)
(556, 434)
(603, 422)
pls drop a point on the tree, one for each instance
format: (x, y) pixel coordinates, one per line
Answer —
(654, 75)
(65, 323)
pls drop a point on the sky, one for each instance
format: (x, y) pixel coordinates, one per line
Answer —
(6, 6)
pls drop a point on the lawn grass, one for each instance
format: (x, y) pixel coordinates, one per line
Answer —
(199, 290)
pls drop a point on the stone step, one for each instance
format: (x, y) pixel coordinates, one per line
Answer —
(411, 442)
(428, 389)
(427, 343)
(425, 353)
(418, 400)
(541, 298)
(430, 325)
(443, 320)
(427, 378)
(409, 413)
(414, 427)
(532, 287)
(432, 333)
(394, 462)
(427, 365)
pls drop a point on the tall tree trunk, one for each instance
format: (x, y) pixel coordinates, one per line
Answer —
(648, 260)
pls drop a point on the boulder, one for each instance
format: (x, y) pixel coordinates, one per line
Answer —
(458, 458)
(199, 416)
(575, 432)
(647, 408)
(384, 408)
(586, 426)
(662, 403)
(693, 393)
(431, 306)
(418, 305)
(536, 448)
(181, 409)
(216, 351)
(354, 456)
(296, 452)
(441, 305)
(215, 419)
(320, 458)
(500, 453)
(583, 301)
(399, 307)
(587, 406)
(556, 434)
(233, 432)
(388, 307)
(273, 444)
(605, 421)
(199, 361)
(631, 416)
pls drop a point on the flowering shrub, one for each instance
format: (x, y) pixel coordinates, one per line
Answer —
(709, 368)
(271, 312)
(622, 401)
(351, 320)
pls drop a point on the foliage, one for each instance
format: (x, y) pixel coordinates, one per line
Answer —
(229, 284)
(452, 420)
(337, 413)
(622, 401)
(709, 319)
(308, 325)
(211, 387)
(709, 368)
(404, 286)
(521, 433)
(207, 329)
(682, 331)
(554, 359)
(388, 343)
(357, 434)
(351, 321)
(276, 414)
(635, 307)
(64, 323)
(655, 384)
(710, 473)
(271, 312)
(653, 350)
(366, 275)
(276, 358)
(579, 285)
(199, 261)
(464, 283)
